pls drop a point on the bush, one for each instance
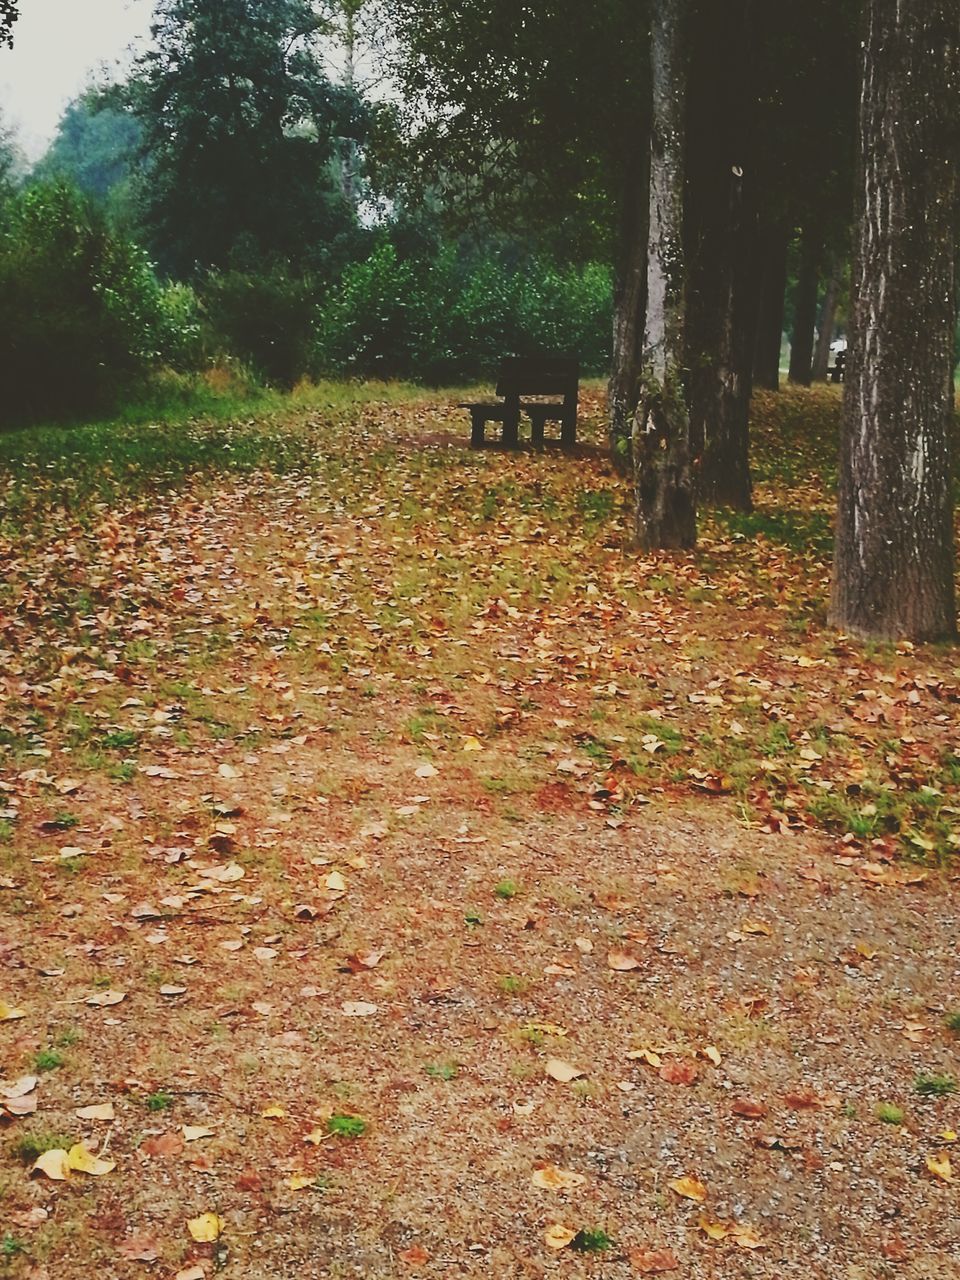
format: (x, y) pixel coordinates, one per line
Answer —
(267, 319)
(81, 311)
(442, 319)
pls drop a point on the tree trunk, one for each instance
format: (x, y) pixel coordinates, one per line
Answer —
(721, 238)
(828, 311)
(773, 283)
(663, 475)
(893, 569)
(628, 312)
(805, 310)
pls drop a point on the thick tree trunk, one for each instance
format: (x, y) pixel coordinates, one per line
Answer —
(773, 284)
(828, 312)
(721, 239)
(805, 310)
(893, 571)
(628, 312)
(663, 475)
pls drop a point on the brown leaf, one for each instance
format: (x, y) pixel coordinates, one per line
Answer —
(549, 1178)
(140, 1249)
(802, 1100)
(652, 1262)
(894, 1248)
(679, 1071)
(748, 1109)
(164, 1144)
(622, 961)
(415, 1256)
(562, 1071)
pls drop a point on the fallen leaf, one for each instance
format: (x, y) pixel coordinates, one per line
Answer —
(9, 1014)
(651, 1262)
(103, 999)
(358, 1009)
(622, 961)
(25, 1085)
(164, 1144)
(194, 1132)
(549, 1178)
(894, 1248)
(940, 1167)
(300, 1181)
(53, 1163)
(364, 960)
(206, 1227)
(274, 1112)
(474, 744)
(802, 1100)
(563, 1072)
(81, 1158)
(558, 1236)
(749, 1109)
(98, 1111)
(689, 1187)
(679, 1071)
(336, 883)
(426, 770)
(191, 1273)
(415, 1256)
(140, 1249)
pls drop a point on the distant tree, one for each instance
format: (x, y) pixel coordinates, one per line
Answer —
(94, 148)
(894, 564)
(239, 125)
(9, 12)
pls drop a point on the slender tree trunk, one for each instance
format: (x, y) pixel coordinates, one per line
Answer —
(828, 312)
(772, 249)
(894, 568)
(663, 475)
(721, 239)
(628, 312)
(805, 310)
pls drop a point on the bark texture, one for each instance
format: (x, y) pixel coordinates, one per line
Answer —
(805, 310)
(825, 326)
(721, 237)
(772, 250)
(894, 566)
(628, 314)
(663, 474)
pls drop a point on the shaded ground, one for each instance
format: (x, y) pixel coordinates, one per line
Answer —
(387, 786)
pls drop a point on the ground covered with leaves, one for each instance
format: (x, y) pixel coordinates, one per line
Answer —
(401, 876)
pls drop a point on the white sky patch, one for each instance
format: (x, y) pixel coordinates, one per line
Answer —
(59, 47)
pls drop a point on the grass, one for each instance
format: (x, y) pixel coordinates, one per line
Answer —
(591, 1240)
(48, 1060)
(935, 1086)
(159, 1101)
(889, 1113)
(343, 1125)
(506, 889)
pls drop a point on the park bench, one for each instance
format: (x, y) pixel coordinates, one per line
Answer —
(520, 376)
(838, 372)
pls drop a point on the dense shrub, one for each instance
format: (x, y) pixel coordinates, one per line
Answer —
(81, 312)
(267, 319)
(446, 320)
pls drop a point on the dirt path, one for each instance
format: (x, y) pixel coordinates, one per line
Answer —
(349, 810)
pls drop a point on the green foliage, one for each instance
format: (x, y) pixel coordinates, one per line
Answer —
(48, 1060)
(445, 320)
(341, 1125)
(80, 307)
(94, 149)
(889, 1113)
(265, 318)
(935, 1086)
(159, 1101)
(953, 1021)
(239, 127)
(591, 1240)
(506, 889)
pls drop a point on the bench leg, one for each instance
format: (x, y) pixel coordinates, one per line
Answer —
(477, 425)
(568, 433)
(511, 429)
(537, 424)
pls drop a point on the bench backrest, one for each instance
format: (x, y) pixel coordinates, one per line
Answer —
(539, 376)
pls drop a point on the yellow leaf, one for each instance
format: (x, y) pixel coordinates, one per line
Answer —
(939, 1166)
(9, 1014)
(562, 1071)
(756, 926)
(297, 1181)
(316, 1136)
(546, 1028)
(54, 1164)
(99, 1111)
(689, 1187)
(558, 1236)
(336, 883)
(649, 1056)
(948, 1135)
(745, 1237)
(206, 1227)
(274, 1112)
(550, 1178)
(83, 1160)
(193, 1132)
(713, 1229)
(712, 1053)
(474, 744)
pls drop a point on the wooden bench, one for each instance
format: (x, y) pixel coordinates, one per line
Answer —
(838, 372)
(519, 376)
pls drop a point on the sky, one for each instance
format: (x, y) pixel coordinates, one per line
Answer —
(58, 46)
